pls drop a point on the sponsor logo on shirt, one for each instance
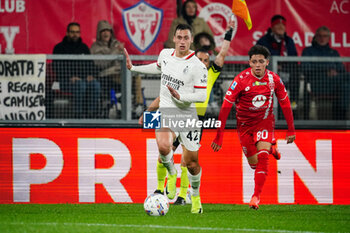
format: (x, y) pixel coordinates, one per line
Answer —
(228, 93)
(259, 100)
(168, 80)
(247, 88)
(257, 83)
(234, 84)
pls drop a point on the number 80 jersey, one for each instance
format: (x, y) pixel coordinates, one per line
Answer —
(253, 96)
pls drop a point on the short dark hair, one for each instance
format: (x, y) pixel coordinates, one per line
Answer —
(201, 50)
(259, 49)
(72, 24)
(183, 27)
(275, 17)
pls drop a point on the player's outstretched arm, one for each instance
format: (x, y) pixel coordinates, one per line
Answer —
(220, 58)
(215, 147)
(288, 115)
(146, 69)
(128, 60)
(223, 115)
(284, 102)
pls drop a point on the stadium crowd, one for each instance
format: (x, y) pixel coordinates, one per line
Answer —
(92, 86)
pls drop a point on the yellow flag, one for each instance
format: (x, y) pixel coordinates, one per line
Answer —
(240, 9)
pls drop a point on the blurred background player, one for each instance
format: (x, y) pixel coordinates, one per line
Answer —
(214, 71)
(183, 82)
(252, 92)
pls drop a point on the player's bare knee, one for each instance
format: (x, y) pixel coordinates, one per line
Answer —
(263, 155)
(164, 149)
(193, 167)
(263, 161)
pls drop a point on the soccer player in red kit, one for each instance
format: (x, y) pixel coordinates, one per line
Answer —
(252, 92)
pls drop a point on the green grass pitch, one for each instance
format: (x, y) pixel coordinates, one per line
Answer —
(130, 218)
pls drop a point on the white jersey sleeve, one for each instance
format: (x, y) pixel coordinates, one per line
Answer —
(153, 68)
(161, 58)
(200, 79)
(147, 69)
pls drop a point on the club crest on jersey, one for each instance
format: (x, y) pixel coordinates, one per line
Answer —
(234, 84)
(142, 23)
(259, 100)
(185, 71)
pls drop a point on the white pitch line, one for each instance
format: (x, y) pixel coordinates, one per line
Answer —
(216, 229)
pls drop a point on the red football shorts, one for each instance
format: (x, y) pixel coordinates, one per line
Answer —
(252, 134)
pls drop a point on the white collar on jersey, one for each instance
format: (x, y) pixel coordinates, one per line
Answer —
(191, 54)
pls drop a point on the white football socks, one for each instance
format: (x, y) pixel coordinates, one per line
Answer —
(168, 162)
(195, 181)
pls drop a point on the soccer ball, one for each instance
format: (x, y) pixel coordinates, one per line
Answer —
(156, 205)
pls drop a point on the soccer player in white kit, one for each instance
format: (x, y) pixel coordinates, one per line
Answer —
(183, 83)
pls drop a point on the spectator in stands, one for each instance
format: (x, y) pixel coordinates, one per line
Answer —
(329, 81)
(76, 76)
(109, 72)
(280, 44)
(188, 16)
(205, 41)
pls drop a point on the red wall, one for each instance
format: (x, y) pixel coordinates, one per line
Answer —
(56, 165)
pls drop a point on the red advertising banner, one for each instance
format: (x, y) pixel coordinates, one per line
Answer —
(58, 165)
(143, 26)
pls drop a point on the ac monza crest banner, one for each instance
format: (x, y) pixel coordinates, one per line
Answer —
(142, 23)
(28, 27)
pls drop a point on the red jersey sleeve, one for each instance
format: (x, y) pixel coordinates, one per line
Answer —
(283, 100)
(233, 91)
(230, 97)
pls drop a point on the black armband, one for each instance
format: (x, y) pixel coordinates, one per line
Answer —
(228, 34)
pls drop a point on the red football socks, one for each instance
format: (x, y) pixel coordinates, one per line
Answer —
(261, 171)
